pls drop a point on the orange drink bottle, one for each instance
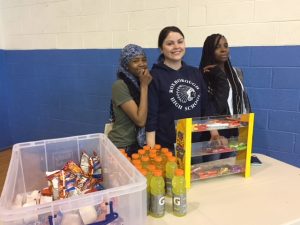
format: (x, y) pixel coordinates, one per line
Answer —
(152, 157)
(136, 161)
(141, 152)
(157, 146)
(169, 154)
(147, 149)
(163, 152)
(135, 156)
(151, 168)
(145, 161)
(138, 166)
(158, 163)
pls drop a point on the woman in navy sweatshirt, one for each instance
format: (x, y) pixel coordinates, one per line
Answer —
(177, 90)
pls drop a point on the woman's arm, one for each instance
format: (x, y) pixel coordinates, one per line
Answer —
(219, 84)
(211, 73)
(215, 136)
(138, 114)
(150, 138)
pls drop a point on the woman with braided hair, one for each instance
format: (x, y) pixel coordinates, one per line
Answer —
(129, 106)
(226, 92)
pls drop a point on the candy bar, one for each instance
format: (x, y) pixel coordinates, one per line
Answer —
(85, 163)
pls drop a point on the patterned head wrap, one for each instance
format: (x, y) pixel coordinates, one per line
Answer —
(128, 53)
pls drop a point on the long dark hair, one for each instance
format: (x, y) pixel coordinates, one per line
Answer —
(208, 51)
(208, 58)
(162, 36)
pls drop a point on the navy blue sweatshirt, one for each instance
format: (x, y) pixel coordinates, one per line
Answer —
(174, 94)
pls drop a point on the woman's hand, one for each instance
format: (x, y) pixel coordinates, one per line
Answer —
(138, 113)
(145, 77)
(207, 69)
(220, 140)
(150, 138)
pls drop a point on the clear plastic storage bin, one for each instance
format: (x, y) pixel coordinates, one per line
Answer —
(123, 202)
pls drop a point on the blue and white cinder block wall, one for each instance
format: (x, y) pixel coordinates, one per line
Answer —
(58, 60)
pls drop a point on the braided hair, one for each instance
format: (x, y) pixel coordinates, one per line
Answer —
(208, 58)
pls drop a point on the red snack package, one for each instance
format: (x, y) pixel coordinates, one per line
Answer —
(47, 191)
(73, 167)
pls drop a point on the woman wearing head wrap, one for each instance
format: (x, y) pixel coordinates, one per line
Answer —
(130, 100)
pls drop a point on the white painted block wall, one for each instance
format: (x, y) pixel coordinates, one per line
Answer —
(84, 24)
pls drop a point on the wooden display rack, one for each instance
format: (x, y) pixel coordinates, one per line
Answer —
(185, 127)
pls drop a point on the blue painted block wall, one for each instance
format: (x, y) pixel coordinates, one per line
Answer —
(5, 138)
(276, 100)
(56, 93)
(59, 93)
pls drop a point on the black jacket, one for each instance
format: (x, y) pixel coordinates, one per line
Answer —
(218, 91)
